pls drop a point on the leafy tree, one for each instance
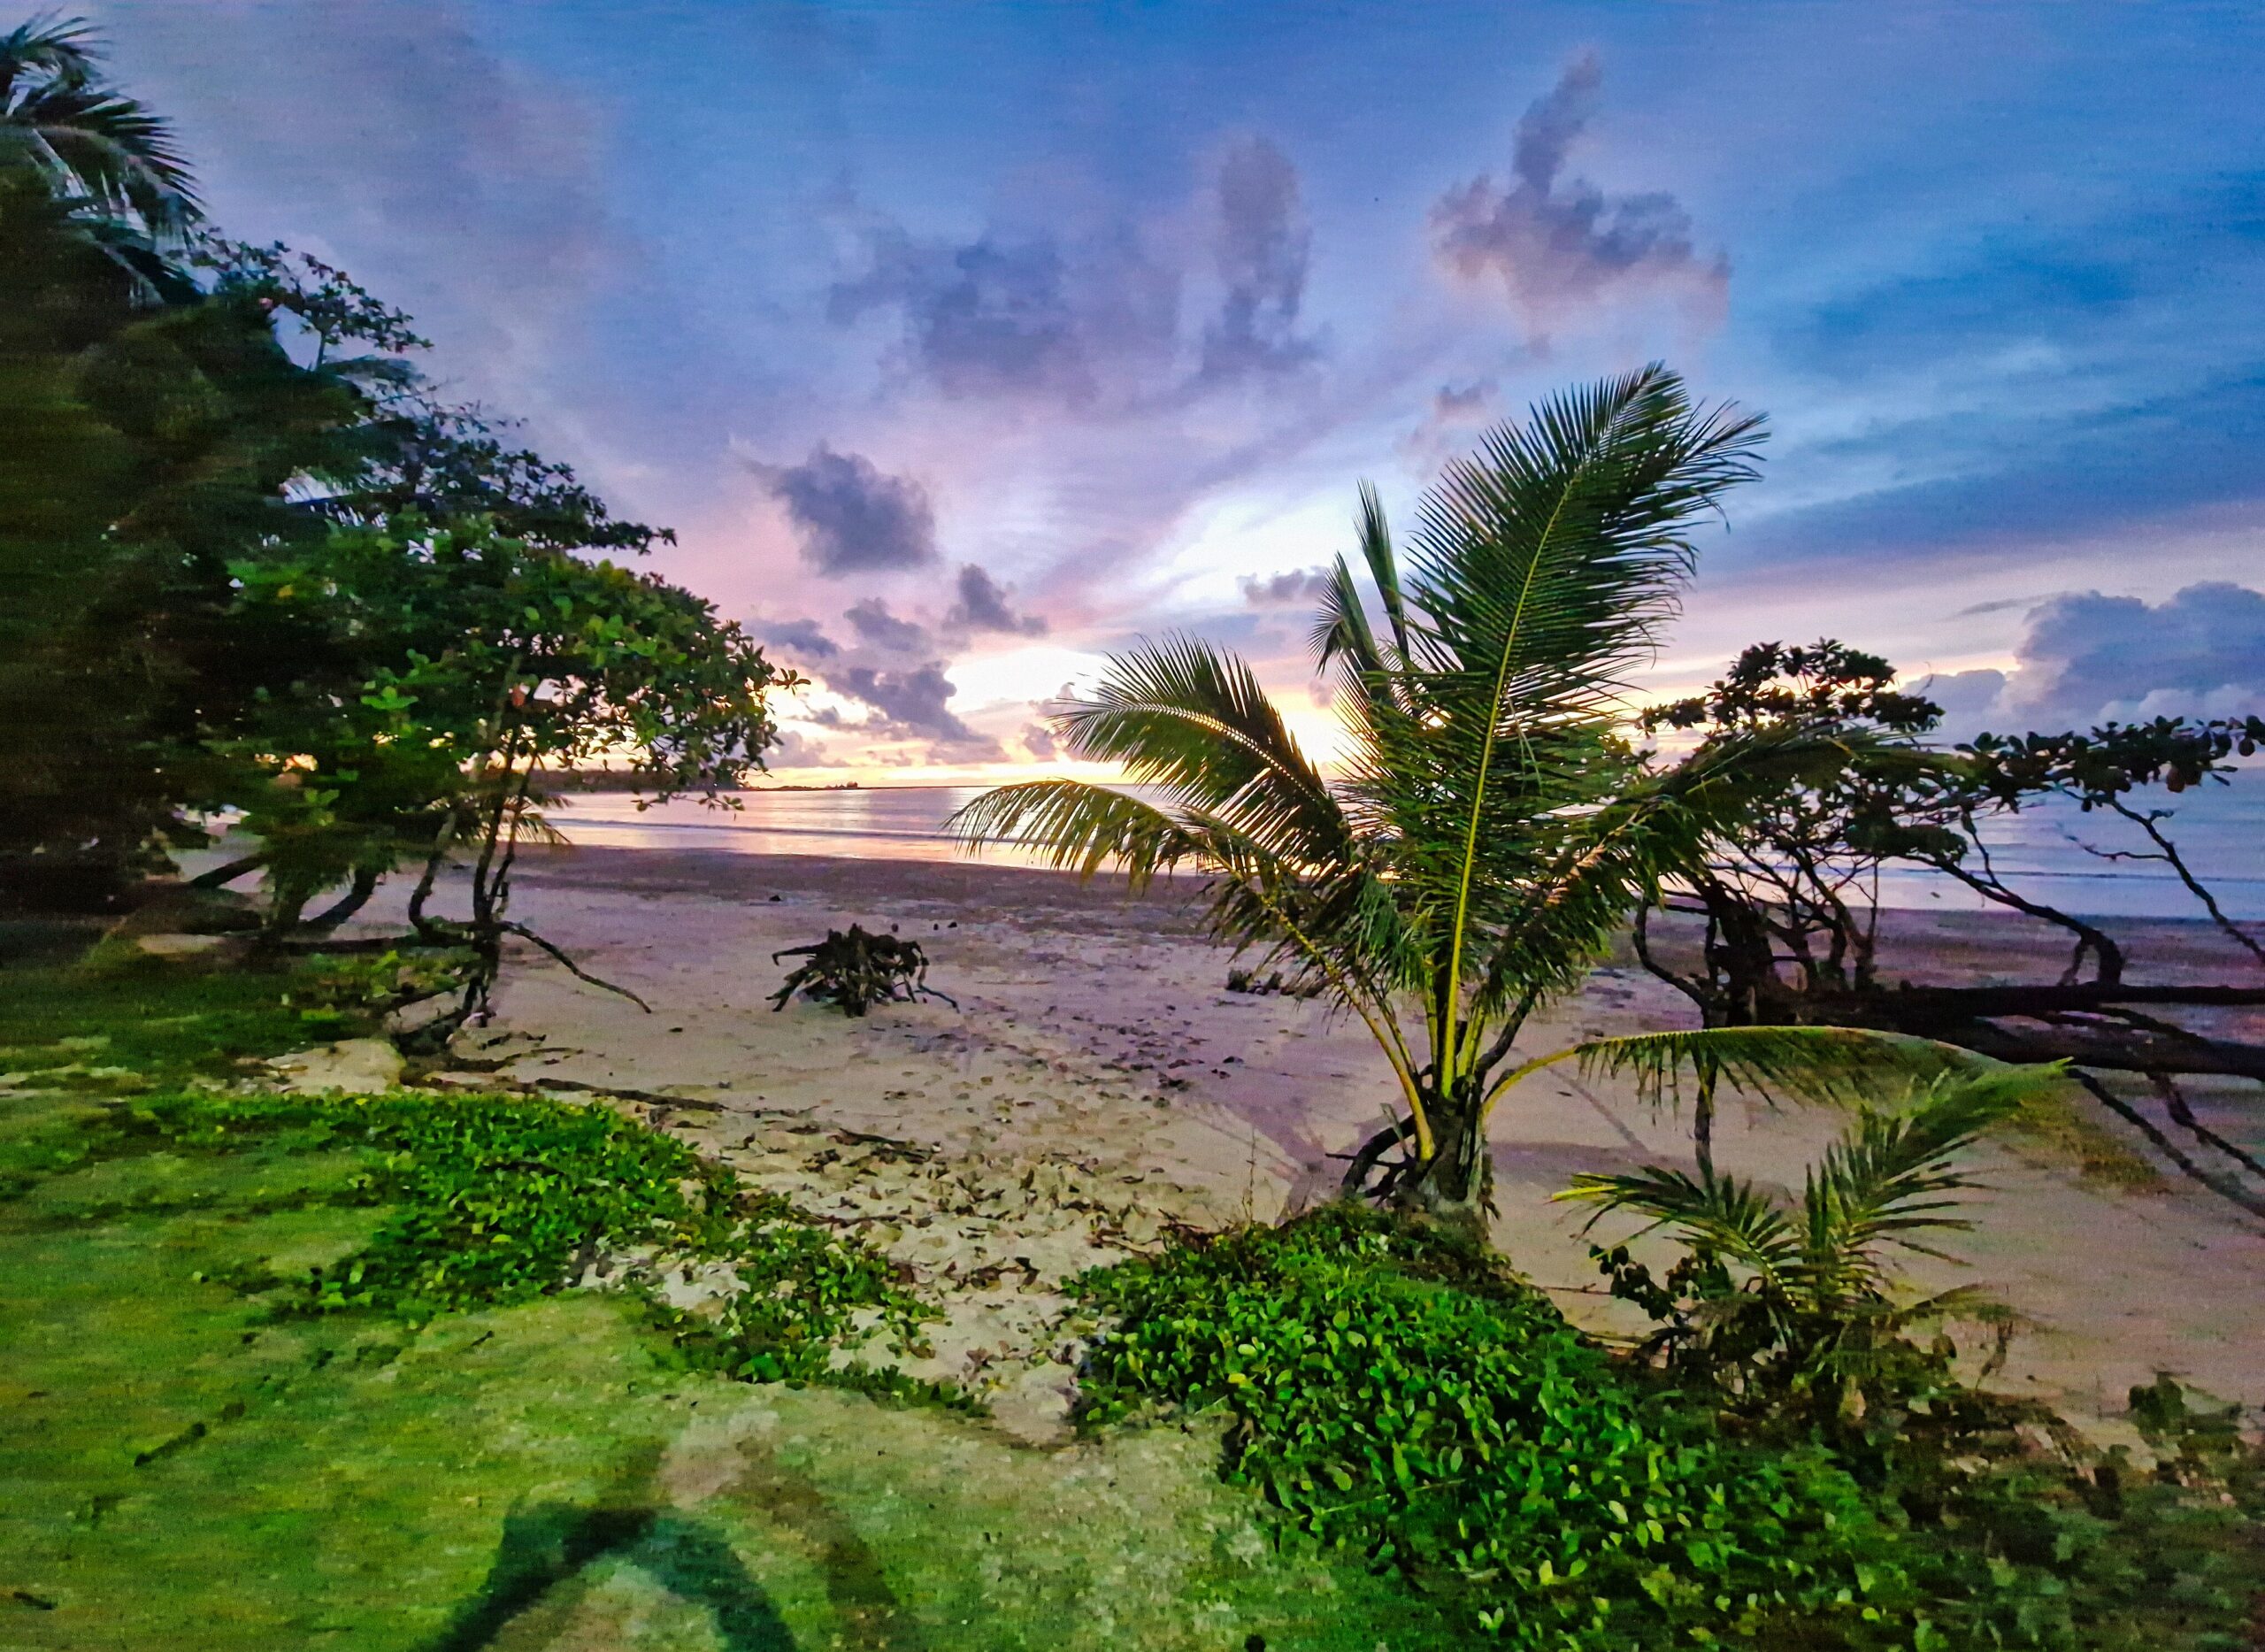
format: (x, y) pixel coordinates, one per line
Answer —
(1789, 904)
(480, 662)
(1494, 826)
(179, 412)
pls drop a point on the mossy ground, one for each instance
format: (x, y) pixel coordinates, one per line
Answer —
(183, 1468)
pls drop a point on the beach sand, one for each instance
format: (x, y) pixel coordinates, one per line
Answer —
(1096, 1083)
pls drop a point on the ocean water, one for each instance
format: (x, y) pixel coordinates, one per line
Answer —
(2220, 830)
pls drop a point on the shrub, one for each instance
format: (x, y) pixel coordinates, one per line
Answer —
(1397, 1393)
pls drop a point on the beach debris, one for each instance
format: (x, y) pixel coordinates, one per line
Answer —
(856, 970)
(1250, 981)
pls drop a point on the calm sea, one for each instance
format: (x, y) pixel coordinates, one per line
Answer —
(2220, 831)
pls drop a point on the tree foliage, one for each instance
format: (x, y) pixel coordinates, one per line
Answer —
(256, 561)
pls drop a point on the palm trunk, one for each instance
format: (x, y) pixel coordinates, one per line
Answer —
(1455, 1185)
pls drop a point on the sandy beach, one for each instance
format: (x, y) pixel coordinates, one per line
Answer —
(1095, 1083)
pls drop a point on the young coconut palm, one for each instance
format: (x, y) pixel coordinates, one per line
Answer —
(1788, 1304)
(1493, 826)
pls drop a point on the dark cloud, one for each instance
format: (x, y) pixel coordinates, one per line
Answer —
(873, 623)
(2087, 657)
(1293, 589)
(912, 702)
(1032, 317)
(1262, 248)
(1037, 739)
(801, 637)
(1559, 245)
(851, 517)
(982, 606)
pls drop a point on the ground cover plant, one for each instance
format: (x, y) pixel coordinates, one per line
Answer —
(1396, 1393)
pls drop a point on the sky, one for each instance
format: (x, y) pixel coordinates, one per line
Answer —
(962, 344)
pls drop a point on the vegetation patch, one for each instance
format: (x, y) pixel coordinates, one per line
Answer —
(1397, 1393)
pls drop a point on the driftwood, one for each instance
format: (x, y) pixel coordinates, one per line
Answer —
(857, 969)
(2104, 1026)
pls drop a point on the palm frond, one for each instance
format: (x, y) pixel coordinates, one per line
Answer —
(1342, 632)
(1384, 565)
(91, 141)
(1182, 715)
(1834, 1065)
(1078, 827)
(1730, 1217)
(1889, 1177)
(1605, 860)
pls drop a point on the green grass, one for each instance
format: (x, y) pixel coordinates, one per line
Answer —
(154, 1024)
(214, 1435)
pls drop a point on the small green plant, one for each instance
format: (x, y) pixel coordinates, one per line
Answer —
(1785, 1307)
(377, 985)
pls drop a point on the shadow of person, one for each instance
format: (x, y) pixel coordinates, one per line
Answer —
(551, 1544)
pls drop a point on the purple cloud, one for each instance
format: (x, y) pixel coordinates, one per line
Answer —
(874, 624)
(2087, 657)
(1262, 248)
(851, 517)
(982, 606)
(1559, 245)
(801, 637)
(1035, 317)
(1293, 589)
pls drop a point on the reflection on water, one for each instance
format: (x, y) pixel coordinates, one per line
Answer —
(874, 823)
(2221, 833)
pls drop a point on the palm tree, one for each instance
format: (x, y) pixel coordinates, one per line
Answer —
(1795, 1300)
(90, 142)
(1493, 825)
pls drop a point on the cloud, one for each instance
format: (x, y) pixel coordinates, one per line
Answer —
(449, 179)
(1037, 739)
(850, 515)
(1293, 589)
(1036, 316)
(982, 606)
(797, 636)
(1456, 410)
(914, 702)
(799, 752)
(1559, 245)
(873, 623)
(1965, 696)
(1262, 248)
(2087, 658)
